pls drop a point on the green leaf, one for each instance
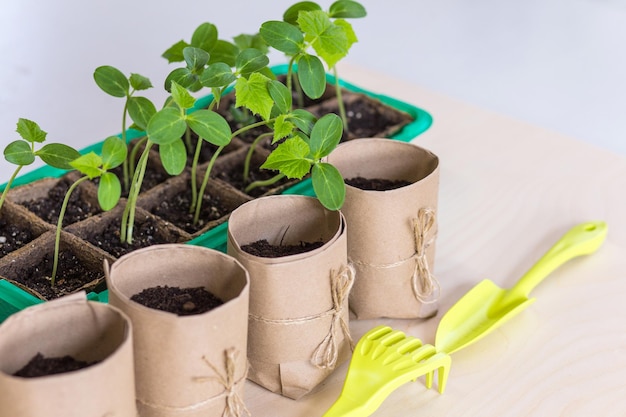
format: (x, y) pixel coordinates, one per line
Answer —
(325, 135)
(181, 96)
(141, 110)
(291, 14)
(255, 41)
(88, 164)
(217, 75)
(225, 52)
(253, 94)
(173, 156)
(114, 152)
(204, 37)
(139, 82)
(112, 81)
(303, 119)
(281, 95)
(251, 60)
(328, 186)
(330, 41)
(282, 128)
(166, 126)
(109, 191)
(282, 36)
(347, 9)
(312, 76)
(58, 155)
(195, 58)
(210, 126)
(19, 152)
(290, 158)
(313, 23)
(175, 52)
(181, 76)
(30, 131)
(332, 59)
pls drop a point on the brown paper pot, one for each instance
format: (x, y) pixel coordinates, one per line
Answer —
(185, 365)
(298, 303)
(88, 331)
(392, 233)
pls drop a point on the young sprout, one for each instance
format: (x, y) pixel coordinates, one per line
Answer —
(306, 26)
(113, 82)
(22, 152)
(109, 188)
(299, 155)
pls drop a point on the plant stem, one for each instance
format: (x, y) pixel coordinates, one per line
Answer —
(299, 93)
(57, 240)
(264, 183)
(194, 172)
(133, 154)
(205, 181)
(126, 163)
(128, 216)
(252, 126)
(8, 187)
(340, 104)
(246, 164)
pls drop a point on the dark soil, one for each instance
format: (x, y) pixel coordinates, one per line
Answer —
(145, 234)
(264, 249)
(365, 118)
(180, 301)
(42, 366)
(12, 237)
(48, 208)
(71, 275)
(176, 211)
(376, 184)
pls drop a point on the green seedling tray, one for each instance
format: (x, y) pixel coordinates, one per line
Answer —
(14, 299)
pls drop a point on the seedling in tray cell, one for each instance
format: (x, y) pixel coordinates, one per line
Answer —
(307, 27)
(22, 152)
(114, 153)
(113, 82)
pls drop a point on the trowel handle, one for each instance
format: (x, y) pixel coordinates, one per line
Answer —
(582, 239)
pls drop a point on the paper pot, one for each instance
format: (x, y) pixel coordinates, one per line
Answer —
(186, 365)
(391, 243)
(298, 303)
(87, 331)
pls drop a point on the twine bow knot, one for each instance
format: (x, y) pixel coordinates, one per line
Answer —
(425, 285)
(235, 406)
(327, 352)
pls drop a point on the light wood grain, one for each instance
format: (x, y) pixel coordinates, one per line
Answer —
(508, 192)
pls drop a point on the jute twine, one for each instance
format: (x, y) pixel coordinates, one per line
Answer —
(235, 406)
(327, 352)
(423, 283)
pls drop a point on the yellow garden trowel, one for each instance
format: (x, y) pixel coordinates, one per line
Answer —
(386, 358)
(487, 306)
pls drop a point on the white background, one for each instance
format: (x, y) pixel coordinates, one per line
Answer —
(554, 63)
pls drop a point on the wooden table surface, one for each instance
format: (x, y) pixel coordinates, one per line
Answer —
(508, 191)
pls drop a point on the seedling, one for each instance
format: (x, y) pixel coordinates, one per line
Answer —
(113, 82)
(22, 152)
(299, 155)
(114, 153)
(306, 26)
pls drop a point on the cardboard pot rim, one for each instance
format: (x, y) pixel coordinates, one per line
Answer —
(346, 151)
(75, 301)
(239, 221)
(132, 257)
